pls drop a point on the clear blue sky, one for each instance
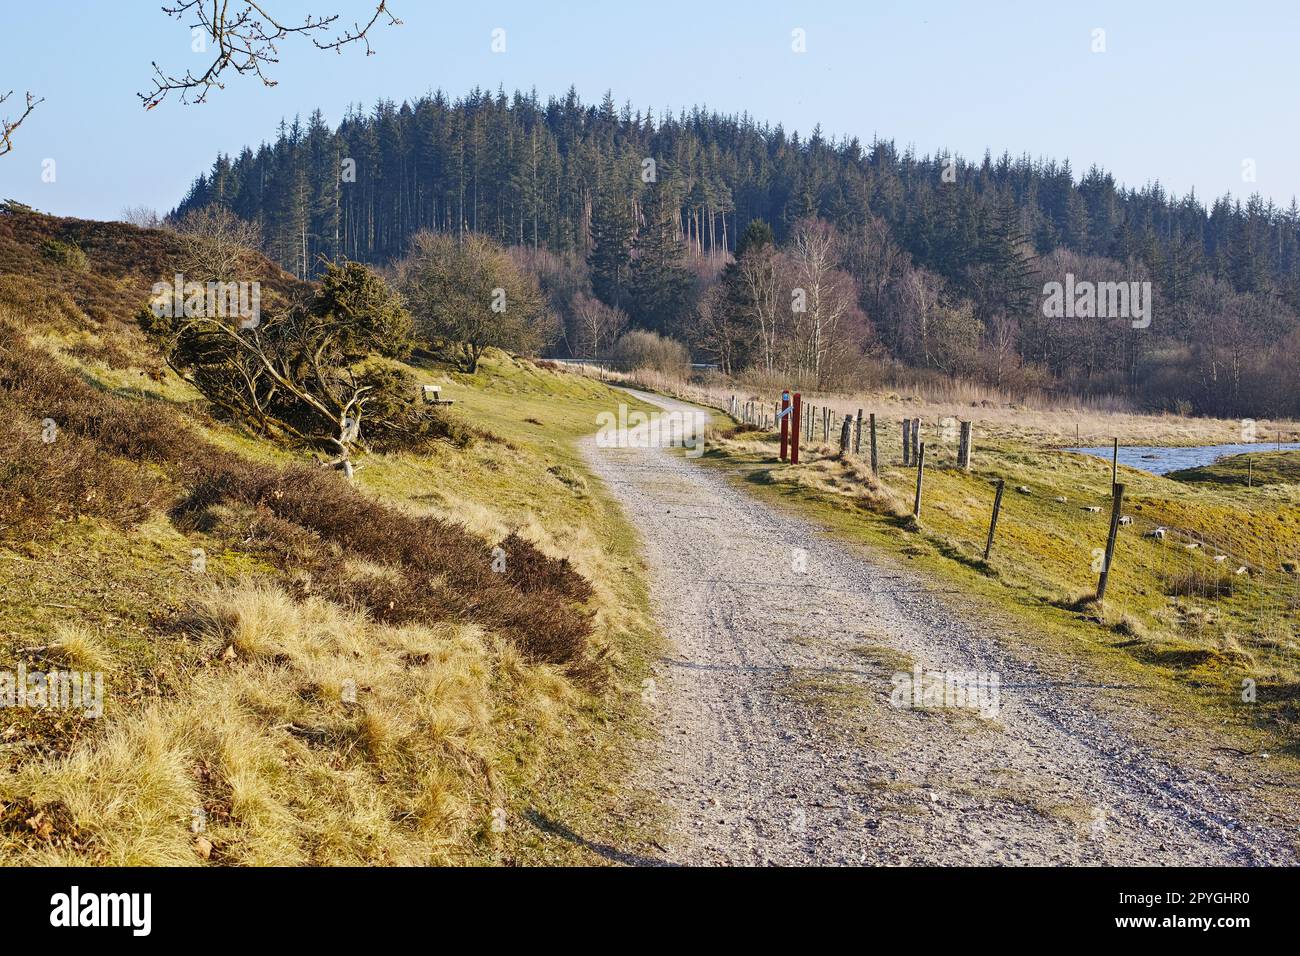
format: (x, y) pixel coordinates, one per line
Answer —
(1184, 92)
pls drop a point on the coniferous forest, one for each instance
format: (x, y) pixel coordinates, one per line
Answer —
(941, 260)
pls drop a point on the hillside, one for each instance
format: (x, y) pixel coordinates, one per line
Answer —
(295, 669)
(949, 259)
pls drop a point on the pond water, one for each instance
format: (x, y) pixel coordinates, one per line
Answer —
(1161, 461)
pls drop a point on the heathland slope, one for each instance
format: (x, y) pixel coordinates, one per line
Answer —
(296, 669)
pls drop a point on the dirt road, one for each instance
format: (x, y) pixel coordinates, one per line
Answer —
(780, 744)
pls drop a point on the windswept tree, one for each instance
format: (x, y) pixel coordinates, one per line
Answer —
(468, 295)
(313, 369)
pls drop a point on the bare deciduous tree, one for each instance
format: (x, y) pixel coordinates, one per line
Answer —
(471, 295)
(760, 275)
(216, 245)
(142, 217)
(829, 297)
(596, 325)
(245, 38)
(7, 125)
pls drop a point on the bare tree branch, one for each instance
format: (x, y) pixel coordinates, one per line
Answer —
(7, 126)
(245, 41)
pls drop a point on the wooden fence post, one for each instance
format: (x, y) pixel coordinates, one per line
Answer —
(916, 436)
(1117, 504)
(907, 442)
(1114, 467)
(826, 423)
(963, 448)
(920, 475)
(875, 468)
(857, 435)
(993, 523)
(845, 433)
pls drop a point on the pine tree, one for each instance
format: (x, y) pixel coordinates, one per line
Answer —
(660, 285)
(612, 232)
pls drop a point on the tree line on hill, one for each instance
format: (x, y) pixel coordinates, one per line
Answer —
(815, 259)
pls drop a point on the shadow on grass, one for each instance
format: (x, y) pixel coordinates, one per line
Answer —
(603, 850)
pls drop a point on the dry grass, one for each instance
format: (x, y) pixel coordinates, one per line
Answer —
(77, 647)
(322, 738)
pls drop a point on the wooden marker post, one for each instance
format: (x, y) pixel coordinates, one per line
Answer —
(785, 424)
(795, 411)
(907, 442)
(1117, 504)
(993, 523)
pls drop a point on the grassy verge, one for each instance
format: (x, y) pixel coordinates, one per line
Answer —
(568, 799)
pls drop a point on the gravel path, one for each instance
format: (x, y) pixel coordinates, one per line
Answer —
(779, 743)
